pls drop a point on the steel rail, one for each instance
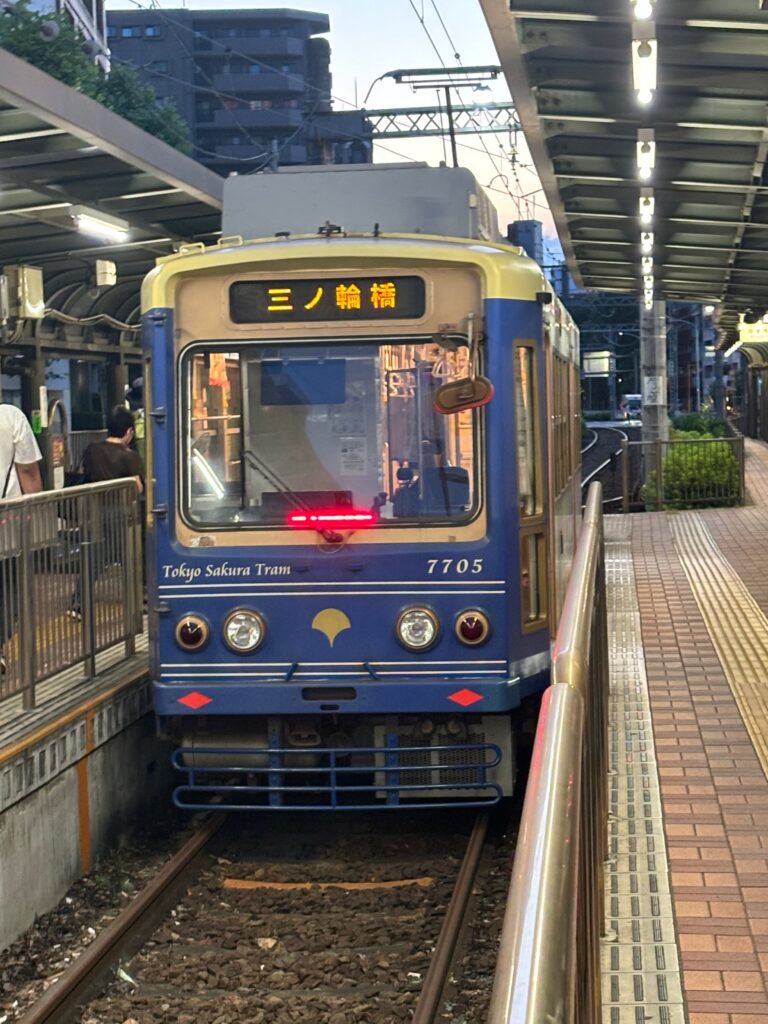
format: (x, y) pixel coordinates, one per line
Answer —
(437, 975)
(126, 932)
(548, 967)
(592, 443)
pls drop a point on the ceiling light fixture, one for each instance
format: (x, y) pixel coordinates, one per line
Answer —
(642, 9)
(646, 243)
(647, 264)
(647, 206)
(147, 195)
(644, 61)
(646, 153)
(100, 225)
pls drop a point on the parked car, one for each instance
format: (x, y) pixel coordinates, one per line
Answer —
(631, 407)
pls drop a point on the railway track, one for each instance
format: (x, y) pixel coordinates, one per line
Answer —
(601, 460)
(340, 922)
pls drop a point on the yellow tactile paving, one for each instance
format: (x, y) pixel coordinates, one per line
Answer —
(740, 637)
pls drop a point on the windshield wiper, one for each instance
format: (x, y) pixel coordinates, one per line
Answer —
(282, 487)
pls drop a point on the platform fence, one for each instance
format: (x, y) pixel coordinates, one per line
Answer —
(705, 472)
(549, 956)
(70, 582)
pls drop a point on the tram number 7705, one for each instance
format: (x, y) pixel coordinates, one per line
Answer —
(458, 566)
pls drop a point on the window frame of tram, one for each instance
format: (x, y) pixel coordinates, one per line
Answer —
(534, 593)
(472, 455)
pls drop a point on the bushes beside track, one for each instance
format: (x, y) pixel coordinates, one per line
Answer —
(694, 475)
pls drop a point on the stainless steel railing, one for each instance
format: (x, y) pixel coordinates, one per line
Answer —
(70, 581)
(549, 957)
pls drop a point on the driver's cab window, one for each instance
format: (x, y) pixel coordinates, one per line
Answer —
(272, 428)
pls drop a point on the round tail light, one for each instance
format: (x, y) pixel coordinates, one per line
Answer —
(192, 632)
(473, 627)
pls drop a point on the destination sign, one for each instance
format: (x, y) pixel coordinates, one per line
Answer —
(327, 298)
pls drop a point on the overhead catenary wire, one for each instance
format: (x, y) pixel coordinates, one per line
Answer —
(457, 86)
(204, 73)
(233, 51)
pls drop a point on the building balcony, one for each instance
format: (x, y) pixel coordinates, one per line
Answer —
(246, 85)
(251, 46)
(261, 119)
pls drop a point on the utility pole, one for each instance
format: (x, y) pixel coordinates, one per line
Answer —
(451, 128)
(653, 354)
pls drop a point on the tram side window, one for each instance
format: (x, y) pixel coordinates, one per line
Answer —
(561, 419)
(529, 497)
(533, 569)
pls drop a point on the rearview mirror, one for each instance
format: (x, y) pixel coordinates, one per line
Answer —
(460, 395)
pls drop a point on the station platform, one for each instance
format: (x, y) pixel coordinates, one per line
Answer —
(687, 872)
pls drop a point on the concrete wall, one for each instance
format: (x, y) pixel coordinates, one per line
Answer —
(58, 831)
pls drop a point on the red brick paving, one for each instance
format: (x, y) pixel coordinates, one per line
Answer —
(713, 787)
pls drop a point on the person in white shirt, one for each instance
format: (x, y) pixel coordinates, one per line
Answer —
(19, 474)
(19, 455)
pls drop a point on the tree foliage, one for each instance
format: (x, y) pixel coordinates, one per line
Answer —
(51, 42)
(125, 93)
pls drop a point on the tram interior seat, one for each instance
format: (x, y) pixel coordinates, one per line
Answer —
(445, 490)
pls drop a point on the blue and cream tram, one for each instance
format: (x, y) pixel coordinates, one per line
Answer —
(363, 502)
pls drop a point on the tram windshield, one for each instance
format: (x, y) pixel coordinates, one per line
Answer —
(272, 430)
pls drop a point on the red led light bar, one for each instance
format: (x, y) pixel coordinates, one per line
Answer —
(331, 518)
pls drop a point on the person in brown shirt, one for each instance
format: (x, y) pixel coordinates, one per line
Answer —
(113, 458)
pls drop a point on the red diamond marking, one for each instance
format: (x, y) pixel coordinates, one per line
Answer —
(465, 697)
(195, 700)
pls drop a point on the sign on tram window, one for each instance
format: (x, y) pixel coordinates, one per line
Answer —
(327, 298)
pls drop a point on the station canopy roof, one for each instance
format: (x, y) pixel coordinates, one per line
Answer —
(61, 152)
(573, 67)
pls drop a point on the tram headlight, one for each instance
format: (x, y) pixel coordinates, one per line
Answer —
(473, 627)
(192, 633)
(244, 631)
(418, 629)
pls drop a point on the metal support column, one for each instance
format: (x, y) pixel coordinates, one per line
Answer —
(117, 383)
(673, 395)
(698, 340)
(32, 383)
(719, 386)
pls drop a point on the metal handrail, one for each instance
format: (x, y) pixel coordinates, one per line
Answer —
(548, 967)
(69, 585)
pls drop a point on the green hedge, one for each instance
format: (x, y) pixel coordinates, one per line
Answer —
(700, 424)
(696, 475)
